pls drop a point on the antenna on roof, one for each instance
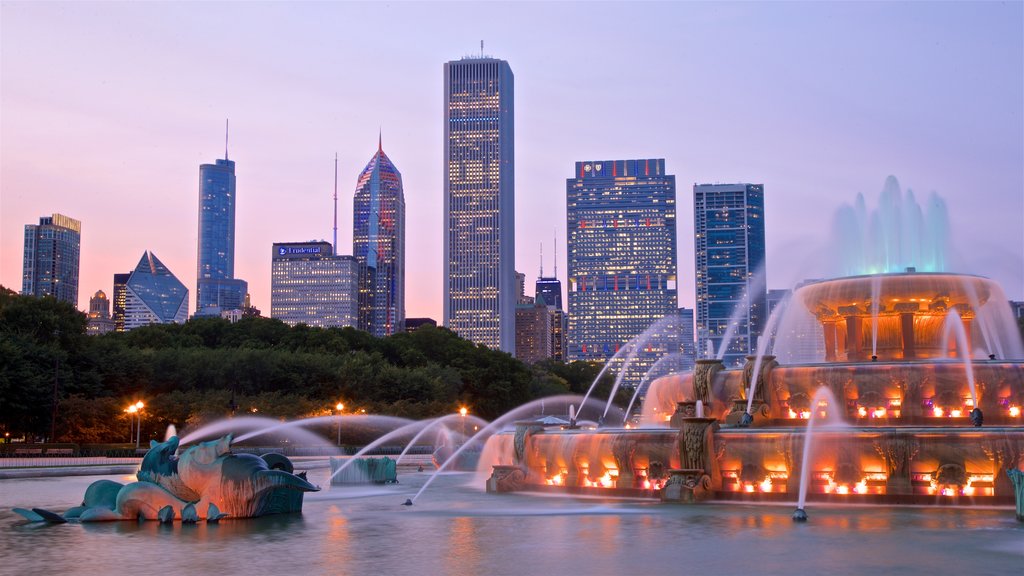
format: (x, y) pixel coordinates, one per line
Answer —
(541, 260)
(225, 138)
(335, 246)
(481, 48)
(555, 235)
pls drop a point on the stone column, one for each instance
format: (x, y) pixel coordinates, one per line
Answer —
(829, 329)
(907, 332)
(699, 475)
(854, 338)
(703, 377)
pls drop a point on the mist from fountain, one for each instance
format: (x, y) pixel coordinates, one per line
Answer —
(833, 419)
(659, 368)
(637, 344)
(876, 295)
(755, 285)
(762, 346)
(955, 325)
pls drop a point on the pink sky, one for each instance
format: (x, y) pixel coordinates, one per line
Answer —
(107, 110)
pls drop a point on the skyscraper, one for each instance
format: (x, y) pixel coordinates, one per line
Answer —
(120, 299)
(549, 290)
(479, 208)
(730, 261)
(153, 295)
(378, 244)
(217, 288)
(310, 285)
(621, 243)
(50, 264)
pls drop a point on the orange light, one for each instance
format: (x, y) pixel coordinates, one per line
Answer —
(879, 413)
(862, 411)
(766, 486)
(938, 412)
(1015, 411)
(955, 413)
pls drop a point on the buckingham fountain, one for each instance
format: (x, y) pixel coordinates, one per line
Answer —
(915, 397)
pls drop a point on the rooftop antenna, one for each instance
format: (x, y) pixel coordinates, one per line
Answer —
(335, 202)
(481, 48)
(555, 236)
(541, 260)
(225, 138)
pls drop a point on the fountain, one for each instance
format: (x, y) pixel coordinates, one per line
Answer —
(909, 398)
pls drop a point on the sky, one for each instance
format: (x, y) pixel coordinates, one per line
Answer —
(108, 109)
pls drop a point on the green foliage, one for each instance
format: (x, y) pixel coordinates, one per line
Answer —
(187, 374)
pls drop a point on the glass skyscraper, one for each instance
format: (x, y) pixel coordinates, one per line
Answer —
(120, 299)
(50, 264)
(730, 268)
(309, 285)
(378, 244)
(153, 295)
(217, 288)
(621, 242)
(479, 208)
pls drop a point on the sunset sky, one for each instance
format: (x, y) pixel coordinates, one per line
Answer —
(108, 109)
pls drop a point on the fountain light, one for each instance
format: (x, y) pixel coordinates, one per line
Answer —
(956, 413)
(862, 411)
(938, 412)
(1015, 411)
(766, 485)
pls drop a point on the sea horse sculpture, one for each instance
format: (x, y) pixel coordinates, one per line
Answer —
(207, 481)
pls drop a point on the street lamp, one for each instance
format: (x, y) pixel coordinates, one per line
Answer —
(135, 412)
(339, 407)
(463, 412)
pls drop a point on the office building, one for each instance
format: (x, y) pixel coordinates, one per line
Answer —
(730, 263)
(153, 295)
(50, 264)
(687, 342)
(217, 288)
(99, 320)
(621, 219)
(378, 244)
(479, 208)
(120, 298)
(310, 285)
(533, 332)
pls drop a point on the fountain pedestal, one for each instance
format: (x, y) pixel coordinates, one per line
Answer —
(686, 486)
(506, 478)
(699, 475)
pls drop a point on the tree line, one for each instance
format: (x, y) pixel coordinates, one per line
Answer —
(208, 368)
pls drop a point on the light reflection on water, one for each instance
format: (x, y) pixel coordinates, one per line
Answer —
(454, 529)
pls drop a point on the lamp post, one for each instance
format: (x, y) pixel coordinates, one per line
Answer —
(135, 412)
(463, 411)
(339, 407)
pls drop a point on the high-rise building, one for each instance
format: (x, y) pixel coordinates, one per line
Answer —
(120, 298)
(730, 263)
(521, 297)
(549, 291)
(99, 320)
(533, 332)
(153, 295)
(217, 288)
(50, 264)
(687, 341)
(479, 205)
(378, 244)
(621, 218)
(310, 285)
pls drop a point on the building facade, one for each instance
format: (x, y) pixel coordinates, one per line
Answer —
(378, 244)
(217, 288)
(120, 298)
(533, 332)
(479, 205)
(153, 295)
(310, 285)
(729, 250)
(99, 320)
(50, 263)
(621, 222)
(687, 342)
(549, 291)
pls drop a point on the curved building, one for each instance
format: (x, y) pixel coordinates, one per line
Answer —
(378, 244)
(217, 287)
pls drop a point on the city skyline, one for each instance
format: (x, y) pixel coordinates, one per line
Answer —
(929, 93)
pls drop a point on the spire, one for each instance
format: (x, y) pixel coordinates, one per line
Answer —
(380, 140)
(335, 246)
(541, 260)
(555, 235)
(225, 138)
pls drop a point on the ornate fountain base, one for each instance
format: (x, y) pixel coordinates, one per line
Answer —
(687, 486)
(506, 479)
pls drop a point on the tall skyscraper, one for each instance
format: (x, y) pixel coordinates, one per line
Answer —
(621, 243)
(120, 299)
(730, 261)
(479, 204)
(310, 285)
(50, 264)
(153, 295)
(378, 244)
(548, 289)
(217, 288)
(687, 341)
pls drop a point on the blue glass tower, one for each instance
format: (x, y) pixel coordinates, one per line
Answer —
(378, 244)
(729, 244)
(622, 256)
(217, 288)
(50, 264)
(479, 203)
(153, 295)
